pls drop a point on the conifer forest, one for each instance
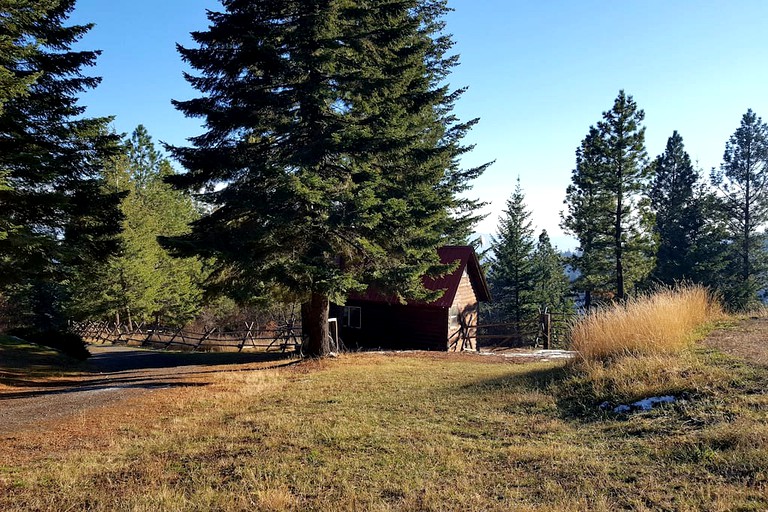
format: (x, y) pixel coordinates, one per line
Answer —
(329, 162)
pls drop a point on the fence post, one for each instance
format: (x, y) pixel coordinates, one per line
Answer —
(248, 334)
(205, 337)
(546, 325)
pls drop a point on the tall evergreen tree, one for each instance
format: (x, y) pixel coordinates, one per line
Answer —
(588, 217)
(17, 19)
(142, 282)
(552, 288)
(331, 139)
(53, 212)
(607, 201)
(628, 173)
(743, 182)
(511, 273)
(678, 214)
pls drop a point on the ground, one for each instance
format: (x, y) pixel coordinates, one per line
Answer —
(112, 374)
(133, 430)
(747, 340)
(115, 373)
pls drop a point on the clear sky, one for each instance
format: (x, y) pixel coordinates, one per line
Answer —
(539, 74)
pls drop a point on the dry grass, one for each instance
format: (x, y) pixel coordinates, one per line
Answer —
(405, 432)
(663, 322)
(643, 348)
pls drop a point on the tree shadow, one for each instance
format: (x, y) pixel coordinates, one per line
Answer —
(122, 359)
(132, 368)
(98, 387)
(539, 379)
(573, 404)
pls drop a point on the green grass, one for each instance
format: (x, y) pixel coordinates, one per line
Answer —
(386, 432)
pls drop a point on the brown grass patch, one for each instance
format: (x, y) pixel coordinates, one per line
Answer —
(745, 339)
(664, 322)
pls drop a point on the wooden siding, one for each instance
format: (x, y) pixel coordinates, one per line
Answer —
(395, 326)
(465, 304)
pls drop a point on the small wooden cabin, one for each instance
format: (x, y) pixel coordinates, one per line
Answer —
(371, 320)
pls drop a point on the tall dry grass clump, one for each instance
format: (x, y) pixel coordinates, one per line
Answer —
(662, 322)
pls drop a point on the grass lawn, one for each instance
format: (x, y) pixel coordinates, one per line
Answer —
(405, 432)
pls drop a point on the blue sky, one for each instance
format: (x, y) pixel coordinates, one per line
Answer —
(539, 74)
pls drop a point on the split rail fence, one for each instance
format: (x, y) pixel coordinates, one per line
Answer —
(283, 338)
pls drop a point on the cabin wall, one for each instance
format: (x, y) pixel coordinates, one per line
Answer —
(464, 310)
(395, 326)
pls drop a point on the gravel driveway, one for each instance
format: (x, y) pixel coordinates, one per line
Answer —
(113, 374)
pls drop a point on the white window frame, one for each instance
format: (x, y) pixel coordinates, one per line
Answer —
(352, 313)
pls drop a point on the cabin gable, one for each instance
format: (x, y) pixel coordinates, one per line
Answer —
(462, 316)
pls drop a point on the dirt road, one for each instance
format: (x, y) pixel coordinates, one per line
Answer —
(116, 373)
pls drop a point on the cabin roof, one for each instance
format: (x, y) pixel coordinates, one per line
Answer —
(467, 259)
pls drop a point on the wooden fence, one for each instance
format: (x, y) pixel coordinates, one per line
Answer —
(548, 329)
(285, 337)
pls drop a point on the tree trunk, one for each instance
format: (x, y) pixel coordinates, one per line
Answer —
(746, 271)
(618, 248)
(315, 326)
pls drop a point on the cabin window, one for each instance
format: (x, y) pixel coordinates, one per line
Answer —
(453, 315)
(352, 317)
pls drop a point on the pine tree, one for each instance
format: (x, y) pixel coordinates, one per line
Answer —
(552, 288)
(53, 213)
(142, 282)
(17, 20)
(624, 145)
(607, 207)
(331, 140)
(588, 218)
(511, 275)
(678, 213)
(711, 249)
(743, 182)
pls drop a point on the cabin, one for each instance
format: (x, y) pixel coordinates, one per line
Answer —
(372, 320)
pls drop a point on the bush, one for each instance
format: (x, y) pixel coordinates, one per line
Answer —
(64, 341)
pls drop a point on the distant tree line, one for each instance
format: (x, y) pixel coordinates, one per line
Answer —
(644, 222)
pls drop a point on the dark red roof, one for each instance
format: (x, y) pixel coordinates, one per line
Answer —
(467, 259)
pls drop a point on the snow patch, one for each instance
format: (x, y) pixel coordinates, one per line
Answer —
(646, 404)
(536, 354)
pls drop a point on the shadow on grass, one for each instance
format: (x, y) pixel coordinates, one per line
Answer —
(112, 359)
(573, 395)
(100, 386)
(121, 367)
(541, 379)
